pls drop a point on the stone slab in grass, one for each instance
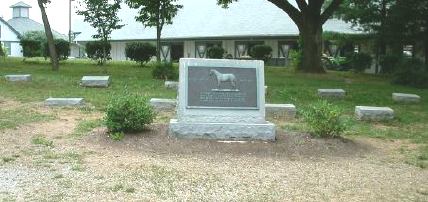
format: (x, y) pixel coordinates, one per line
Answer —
(163, 104)
(334, 93)
(95, 81)
(405, 98)
(18, 77)
(374, 113)
(171, 85)
(280, 111)
(64, 102)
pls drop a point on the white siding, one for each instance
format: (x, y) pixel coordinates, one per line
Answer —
(118, 50)
(16, 49)
(7, 34)
(189, 49)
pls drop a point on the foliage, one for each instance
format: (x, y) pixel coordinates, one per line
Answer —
(295, 58)
(411, 72)
(95, 50)
(102, 15)
(31, 48)
(140, 52)
(62, 48)
(261, 52)
(360, 61)
(165, 71)
(2, 51)
(389, 63)
(324, 119)
(155, 13)
(128, 113)
(215, 52)
(117, 136)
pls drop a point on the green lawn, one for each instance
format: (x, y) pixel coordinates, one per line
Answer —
(285, 86)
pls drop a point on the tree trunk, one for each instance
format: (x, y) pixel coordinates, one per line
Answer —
(158, 43)
(49, 36)
(311, 39)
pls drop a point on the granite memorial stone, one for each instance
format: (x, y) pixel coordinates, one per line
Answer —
(95, 81)
(22, 77)
(374, 113)
(405, 98)
(61, 102)
(332, 93)
(163, 104)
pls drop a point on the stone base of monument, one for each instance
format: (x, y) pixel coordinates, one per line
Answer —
(163, 104)
(95, 81)
(405, 98)
(171, 85)
(24, 77)
(280, 111)
(62, 102)
(374, 113)
(236, 131)
(332, 93)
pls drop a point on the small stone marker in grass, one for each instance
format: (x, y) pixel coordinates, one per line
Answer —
(333, 93)
(64, 102)
(95, 81)
(163, 104)
(171, 85)
(405, 98)
(374, 113)
(280, 111)
(22, 77)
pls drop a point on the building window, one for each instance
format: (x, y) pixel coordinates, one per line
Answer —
(165, 49)
(408, 50)
(202, 47)
(242, 48)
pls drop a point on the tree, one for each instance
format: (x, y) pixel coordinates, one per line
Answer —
(140, 52)
(102, 15)
(371, 16)
(155, 13)
(309, 16)
(49, 35)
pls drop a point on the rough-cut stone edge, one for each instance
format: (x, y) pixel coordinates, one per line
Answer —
(171, 85)
(18, 77)
(405, 98)
(280, 110)
(374, 113)
(339, 93)
(65, 102)
(95, 83)
(222, 131)
(163, 104)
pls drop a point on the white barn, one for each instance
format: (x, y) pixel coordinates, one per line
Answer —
(203, 23)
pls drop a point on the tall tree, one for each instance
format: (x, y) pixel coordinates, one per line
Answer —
(49, 35)
(102, 15)
(155, 13)
(371, 16)
(309, 16)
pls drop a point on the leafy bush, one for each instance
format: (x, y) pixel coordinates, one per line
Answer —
(324, 119)
(411, 72)
(140, 52)
(128, 113)
(261, 52)
(165, 71)
(117, 136)
(62, 48)
(2, 52)
(295, 59)
(31, 48)
(360, 61)
(215, 52)
(95, 50)
(389, 63)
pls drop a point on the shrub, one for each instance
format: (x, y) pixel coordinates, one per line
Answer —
(324, 119)
(62, 48)
(411, 72)
(31, 48)
(389, 63)
(215, 52)
(140, 52)
(261, 52)
(95, 50)
(165, 71)
(295, 59)
(128, 113)
(360, 61)
(2, 52)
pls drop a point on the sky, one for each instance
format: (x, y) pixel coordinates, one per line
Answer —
(57, 12)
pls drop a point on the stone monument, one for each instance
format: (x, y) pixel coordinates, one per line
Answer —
(221, 99)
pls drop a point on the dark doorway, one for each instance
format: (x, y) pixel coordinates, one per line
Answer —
(177, 52)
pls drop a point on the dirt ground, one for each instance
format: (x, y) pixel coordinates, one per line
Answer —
(153, 166)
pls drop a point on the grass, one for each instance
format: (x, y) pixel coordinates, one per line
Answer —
(86, 126)
(285, 86)
(40, 140)
(11, 118)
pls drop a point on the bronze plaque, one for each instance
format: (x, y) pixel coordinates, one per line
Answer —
(222, 87)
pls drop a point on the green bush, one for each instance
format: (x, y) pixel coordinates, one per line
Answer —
(2, 52)
(389, 63)
(31, 48)
(411, 72)
(324, 119)
(128, 113)
(140, 52)
(261, 52)
(62, 48)
(360, 61)
(215, 52)
(95, 49)
(295, 59)
(165, 71)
